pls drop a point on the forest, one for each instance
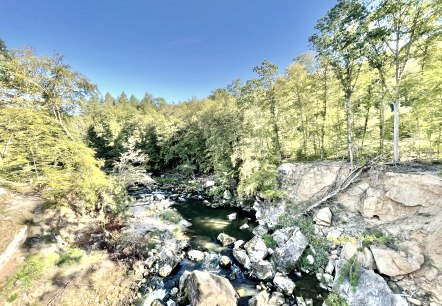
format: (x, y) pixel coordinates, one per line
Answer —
(370, 88)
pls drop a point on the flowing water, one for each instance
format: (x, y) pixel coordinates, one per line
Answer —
(207, 223)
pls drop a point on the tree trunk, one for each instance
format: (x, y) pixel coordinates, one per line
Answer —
(324, 114)
(349, 133)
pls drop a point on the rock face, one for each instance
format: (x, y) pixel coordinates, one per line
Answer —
(291, 243)
(14, 245)
(393, 263)
(403, 201)
(206, 289)
(304, 182)
(256, 249)
(323, 217)
(372, 290)
(225, 239)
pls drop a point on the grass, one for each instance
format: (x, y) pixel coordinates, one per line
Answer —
(70, 256)
(352, 270)
(334, 299)
(269, 241)
(171, 216)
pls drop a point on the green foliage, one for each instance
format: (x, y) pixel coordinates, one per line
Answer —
(334, 299)
(171, 216)
(30, 271)
(269, 241)
(70, 256)
(352, 270)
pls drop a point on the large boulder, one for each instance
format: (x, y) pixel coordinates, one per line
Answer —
(256, 248)
(307, 182)
(364, 257)
(262, 269)
(225, 239)
(284, 283)
(372, 290)
(195, 255)
(242, 257)
(323, 217)
(394, 263)
(268, 212)
(206, 289)
(291, 243)
(261, 299)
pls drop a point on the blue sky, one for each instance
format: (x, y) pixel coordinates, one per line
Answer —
(171, 48)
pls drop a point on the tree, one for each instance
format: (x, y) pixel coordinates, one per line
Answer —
(403, 25)
(45, 82)
(340, 40)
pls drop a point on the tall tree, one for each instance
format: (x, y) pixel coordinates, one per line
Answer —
(404, 25)
(340, 39)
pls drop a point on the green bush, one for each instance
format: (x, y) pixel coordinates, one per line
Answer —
(352, 270)
(70, 256)
(334, 299)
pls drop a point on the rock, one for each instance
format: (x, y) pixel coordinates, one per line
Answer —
(372, 290)
(291, 243)
(268, 213)
(225, 239)
(308, 182)
(209, 183)
(310, 259)
(225, 261)
(195, 255)
(150, 261)
(185, 223)
(242, 258)
(170, 303)
(238, 244)
(165, 271)
(14, 245)
(206, 289)
(261, 299)
(262, 269)
(393, 263)
(174, 291)
(276, 299)
(300, 301)
(323, 217)
(2, 191)
(284, 283)
(227, 195)
(232, 216)
(330, 267)
(260, 230)
(364, 257)
(244, 226)
(414, 301)
(256, 248)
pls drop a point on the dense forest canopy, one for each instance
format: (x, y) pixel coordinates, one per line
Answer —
(372, 87)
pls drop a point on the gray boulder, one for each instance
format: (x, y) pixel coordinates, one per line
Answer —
(225, 239)
(206, 289)
(242, 257)
(291, 243)
(256, 248)
(372, 290)
(284, 283)
(262, 269)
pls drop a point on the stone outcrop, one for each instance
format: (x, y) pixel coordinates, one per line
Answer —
(372, 290)
(393, 263)
(291, 243)
(206, 289)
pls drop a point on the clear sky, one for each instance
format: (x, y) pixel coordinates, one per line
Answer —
(171, 48)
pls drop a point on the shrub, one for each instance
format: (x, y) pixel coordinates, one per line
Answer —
(334, 299)
(269, 241)
(171, 216)
(352, 270)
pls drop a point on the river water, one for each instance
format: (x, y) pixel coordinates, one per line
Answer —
(207, 223)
